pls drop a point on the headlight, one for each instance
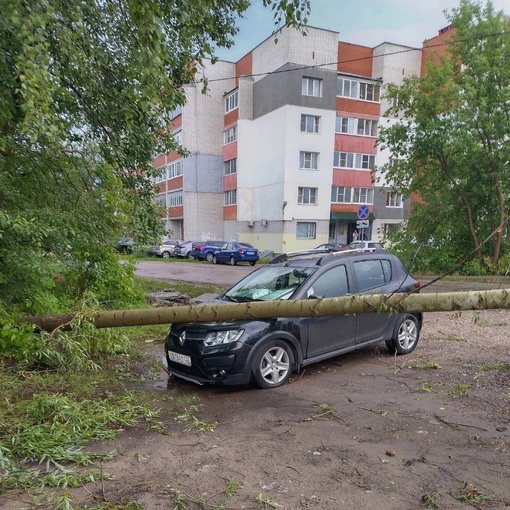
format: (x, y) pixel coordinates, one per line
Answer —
(223, 337)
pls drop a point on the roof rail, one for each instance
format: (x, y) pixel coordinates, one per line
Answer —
(293, 254)
(303, 253)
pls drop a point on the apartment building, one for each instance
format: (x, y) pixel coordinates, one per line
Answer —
(283, 145)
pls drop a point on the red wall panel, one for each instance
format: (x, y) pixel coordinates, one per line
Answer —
(230, 212)
(353, 178)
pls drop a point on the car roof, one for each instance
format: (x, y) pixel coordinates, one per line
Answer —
(309, 258)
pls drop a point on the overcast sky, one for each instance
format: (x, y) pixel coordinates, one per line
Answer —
(366, 22)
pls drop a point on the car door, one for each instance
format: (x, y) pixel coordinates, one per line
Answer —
(332, 333)
(373, 276)
(224, 254)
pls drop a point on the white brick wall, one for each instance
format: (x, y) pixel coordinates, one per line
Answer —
(202, 118)
(317, 48)
(203, 216)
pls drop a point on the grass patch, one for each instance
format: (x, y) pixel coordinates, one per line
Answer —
(150, 285)
(185, 409)
(182, 500)
(424, 363)
(428, 386)
(454, 389)
(429, 499)
(497, 366)
(459, 389)
(322, 410)
(469, 494)
(72, 391)
(455, 339)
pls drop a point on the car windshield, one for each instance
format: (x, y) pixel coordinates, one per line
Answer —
(269, 283)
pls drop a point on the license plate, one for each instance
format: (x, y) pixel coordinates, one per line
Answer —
(179, 358)
(250, 253)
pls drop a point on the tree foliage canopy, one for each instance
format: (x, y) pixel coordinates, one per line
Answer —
(453, 149)
(86, 90)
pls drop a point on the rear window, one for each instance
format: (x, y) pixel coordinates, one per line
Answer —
(372, 273)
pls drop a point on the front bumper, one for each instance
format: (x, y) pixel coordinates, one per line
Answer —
(216, 369)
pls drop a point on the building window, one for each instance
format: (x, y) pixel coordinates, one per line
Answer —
(178, 137)
(354, 160)
(310, 123)
(160, 200)
(307, 196)
(341, 195)
(230, 166)
(394, 199)
(230, 197)
(232, 101)
(161, 174)
(369, 92)
(311, 87)
(308, 160)
(352, 126)
(230, 135)
(305, 230)
(174, 198)
(396, 161)
(347, 88)
(362, 195)
(348, 195)
(174, 169)
(390, 228)
(355, 89)
(176, 112)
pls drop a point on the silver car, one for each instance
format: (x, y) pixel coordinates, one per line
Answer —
(164, 249)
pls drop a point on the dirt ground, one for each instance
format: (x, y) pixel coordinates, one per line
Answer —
(367, 430)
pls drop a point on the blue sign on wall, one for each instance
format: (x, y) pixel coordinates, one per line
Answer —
(363, 212)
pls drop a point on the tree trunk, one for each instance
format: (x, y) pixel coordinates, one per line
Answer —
(430, 302)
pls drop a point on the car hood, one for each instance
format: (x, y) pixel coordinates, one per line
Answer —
(213, 325)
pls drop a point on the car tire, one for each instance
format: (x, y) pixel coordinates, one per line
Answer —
(272, 364)
(252, 263)
(233, 261)
(209, 257)
(191, 256)
(406, 335)
(166, 255)
(214, 259)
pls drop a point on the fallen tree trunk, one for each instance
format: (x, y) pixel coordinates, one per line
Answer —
(430, 302)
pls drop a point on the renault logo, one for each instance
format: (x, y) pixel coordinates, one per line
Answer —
(182, 338)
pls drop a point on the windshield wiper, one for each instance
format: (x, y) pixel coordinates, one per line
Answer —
(231, 298)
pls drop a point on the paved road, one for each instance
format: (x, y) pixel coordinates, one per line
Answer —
(225, 275)
(197, 272)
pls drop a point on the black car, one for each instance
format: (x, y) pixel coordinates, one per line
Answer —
(268, 351)
(125, 245)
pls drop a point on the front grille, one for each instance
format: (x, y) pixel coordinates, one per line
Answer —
(192, 339)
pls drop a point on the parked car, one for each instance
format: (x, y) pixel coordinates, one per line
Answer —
(367, 246)
(232, 253)
(165, 248)
(186, 249)
(332, 246)
(125, 245)
(207, 249)
(267, 351)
